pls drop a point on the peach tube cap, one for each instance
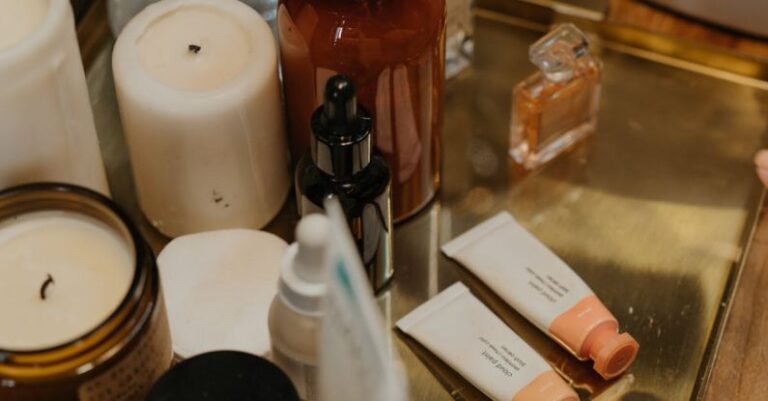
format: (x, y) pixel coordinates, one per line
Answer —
(589, 330)
(612, 352)
(547, 386)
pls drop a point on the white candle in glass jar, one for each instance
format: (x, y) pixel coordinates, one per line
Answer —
(62, 274)
(199, 99)
(47, 131)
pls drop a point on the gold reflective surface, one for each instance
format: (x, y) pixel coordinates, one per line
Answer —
(654, 211)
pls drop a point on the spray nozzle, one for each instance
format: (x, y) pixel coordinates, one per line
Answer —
(302, 281)
(312, 237)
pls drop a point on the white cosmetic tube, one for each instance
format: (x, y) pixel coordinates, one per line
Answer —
(464, 333)
(355, 361)
(539, 285)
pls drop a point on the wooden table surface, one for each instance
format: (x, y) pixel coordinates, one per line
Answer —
(740, 365)
(640, 14)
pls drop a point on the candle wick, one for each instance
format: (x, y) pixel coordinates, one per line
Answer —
(195, 48)
(48, 281)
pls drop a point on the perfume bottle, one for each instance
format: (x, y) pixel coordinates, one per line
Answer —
(557, 106)
(342, 164)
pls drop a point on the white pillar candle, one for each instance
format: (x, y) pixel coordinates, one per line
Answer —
(46, 123)
(19, 19)
(90, 266)
(199, 98)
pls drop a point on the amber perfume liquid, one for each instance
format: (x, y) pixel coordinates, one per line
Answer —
(557, 106)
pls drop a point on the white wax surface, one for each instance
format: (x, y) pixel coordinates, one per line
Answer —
(19, 18)
(91, 264)
(165, 54)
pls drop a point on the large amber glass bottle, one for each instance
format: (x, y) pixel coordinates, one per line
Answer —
(394, 52)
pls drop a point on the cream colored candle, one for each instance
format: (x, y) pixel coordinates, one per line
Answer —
(19, 19)
(61, 275)
(199, 98)
(46, 123)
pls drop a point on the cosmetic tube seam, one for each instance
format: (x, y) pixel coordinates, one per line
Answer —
(457, 244)
(435, 304)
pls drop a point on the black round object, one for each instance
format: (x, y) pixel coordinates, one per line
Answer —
(224, 376)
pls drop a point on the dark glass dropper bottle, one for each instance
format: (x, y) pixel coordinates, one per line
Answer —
(342, 164)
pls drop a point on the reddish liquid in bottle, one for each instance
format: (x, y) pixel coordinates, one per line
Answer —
(394, 52)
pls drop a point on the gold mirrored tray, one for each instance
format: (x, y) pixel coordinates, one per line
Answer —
(655, 211)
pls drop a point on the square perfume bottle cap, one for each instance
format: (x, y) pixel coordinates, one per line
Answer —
(556, 53)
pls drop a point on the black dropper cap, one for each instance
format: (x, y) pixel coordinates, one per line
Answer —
(341, 131)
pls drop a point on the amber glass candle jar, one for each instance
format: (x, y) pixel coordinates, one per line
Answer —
(71, 336)
(394, 52)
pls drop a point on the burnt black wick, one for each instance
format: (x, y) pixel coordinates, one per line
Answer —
(44, 287)
(195, 49)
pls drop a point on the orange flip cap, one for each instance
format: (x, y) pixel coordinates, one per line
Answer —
(589, 330)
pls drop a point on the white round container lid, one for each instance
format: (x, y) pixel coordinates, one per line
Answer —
(218, 289)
